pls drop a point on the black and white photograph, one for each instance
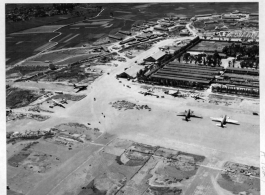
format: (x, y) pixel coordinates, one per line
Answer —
(132, 98)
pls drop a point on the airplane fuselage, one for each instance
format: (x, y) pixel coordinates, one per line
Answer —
(187, 115)
(224, 120)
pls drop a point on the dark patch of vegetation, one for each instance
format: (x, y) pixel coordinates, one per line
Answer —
(118, 160)
(20, 97)
(90, 189)
(198, 24)
(197, 158)
(165, 191)
(136, 162)
(11, 192)
(22, 155)
(24, 16)
(23, 70)
(232, 50)
(226, 177)
(72, 74)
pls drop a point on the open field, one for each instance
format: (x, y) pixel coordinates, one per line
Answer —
(104, 169)
(17, 52)
(41, 29)
(61, 19)
(210, 46)
(18, 98)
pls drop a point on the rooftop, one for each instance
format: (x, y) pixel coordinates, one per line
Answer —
(158, 55)
(181, 79)
(133, 70)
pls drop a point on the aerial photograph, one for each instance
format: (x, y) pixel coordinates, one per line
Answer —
(154, 98)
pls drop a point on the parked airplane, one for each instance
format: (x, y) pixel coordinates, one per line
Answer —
(176, 93)
(63, 101)
(55, 103)
(148, 93)
(188, 114)
(80, 88)
(196, 97)
(224, 120)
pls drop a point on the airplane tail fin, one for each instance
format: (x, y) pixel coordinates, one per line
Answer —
(186, 119)
(220, 125)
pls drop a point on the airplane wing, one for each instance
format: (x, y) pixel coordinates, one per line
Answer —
(216, 119)
(78, 90)
(195, 116)
(231, 121)
(182, 114)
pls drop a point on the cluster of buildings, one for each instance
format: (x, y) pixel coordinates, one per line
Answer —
(30, 134)
(141, 38)
(143, 26)
(235, 168)
(238, 81)
(177, 74)
(243, 34)
(165, 71)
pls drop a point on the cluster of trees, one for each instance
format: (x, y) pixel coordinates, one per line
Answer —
(249, 54)
(23, 70)
(244, 50)
(250, 63)
(84, 9)
(207, 60)
(26, 12)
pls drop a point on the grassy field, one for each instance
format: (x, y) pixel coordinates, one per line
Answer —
(41, 29)
(23, 46)
(12, 27)
(19, 97)
(210, 46)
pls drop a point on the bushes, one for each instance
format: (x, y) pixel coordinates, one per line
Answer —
(26, 69)
(19, 97)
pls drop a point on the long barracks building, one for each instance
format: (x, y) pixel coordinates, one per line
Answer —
(185, 75)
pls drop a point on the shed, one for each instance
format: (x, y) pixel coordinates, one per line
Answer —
(155, 57)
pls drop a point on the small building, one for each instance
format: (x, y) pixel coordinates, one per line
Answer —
(105, 48)
(254, 15)
(202, 15)
(130, 73)
(151, 23)
(115, 37)
(166, 24)
(184, 18)
(159, 28)
(175, 18)
(155, 57)
(210, 22)
(127, 40)
(184, 33)
(125, 32)
(228, 20)
(230, 17)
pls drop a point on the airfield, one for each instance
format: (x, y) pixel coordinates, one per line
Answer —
(110, 138)
(158, 127)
